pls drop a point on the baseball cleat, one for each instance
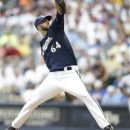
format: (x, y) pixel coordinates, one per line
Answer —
(11, 128)
(109, 127)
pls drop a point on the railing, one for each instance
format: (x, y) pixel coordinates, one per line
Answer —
(64, 115)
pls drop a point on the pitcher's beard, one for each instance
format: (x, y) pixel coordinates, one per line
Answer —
(45, 29)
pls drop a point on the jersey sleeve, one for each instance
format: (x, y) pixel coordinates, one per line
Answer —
(58, 22)
(59, 19)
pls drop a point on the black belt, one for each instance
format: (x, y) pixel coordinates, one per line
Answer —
(63, 69)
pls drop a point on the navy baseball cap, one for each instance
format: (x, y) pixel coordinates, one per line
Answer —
(39, 19)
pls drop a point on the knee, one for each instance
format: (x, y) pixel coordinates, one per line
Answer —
(31, 104)
(85, 96)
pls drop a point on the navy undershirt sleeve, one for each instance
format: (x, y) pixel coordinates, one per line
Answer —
(60, 19)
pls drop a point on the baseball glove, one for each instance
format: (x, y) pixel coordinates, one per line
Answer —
(61, 6)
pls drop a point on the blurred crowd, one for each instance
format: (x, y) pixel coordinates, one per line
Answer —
(99, 31)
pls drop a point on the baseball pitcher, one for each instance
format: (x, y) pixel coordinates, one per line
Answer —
(64, 76)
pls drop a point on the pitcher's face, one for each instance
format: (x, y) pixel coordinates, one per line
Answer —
(44, 26)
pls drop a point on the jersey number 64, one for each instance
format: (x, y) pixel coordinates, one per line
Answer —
(54, 48)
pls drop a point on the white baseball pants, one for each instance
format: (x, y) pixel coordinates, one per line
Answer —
(56, 82)
(129, 104)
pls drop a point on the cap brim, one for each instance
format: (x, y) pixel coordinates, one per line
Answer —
(47, 17)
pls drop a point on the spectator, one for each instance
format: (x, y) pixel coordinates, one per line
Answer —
(9, 38)
(100, 71)
(113, 67)
(3, 81)
(112, 97)
(124, 86)
(97, 28)
(98, 90)
(23, 47)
